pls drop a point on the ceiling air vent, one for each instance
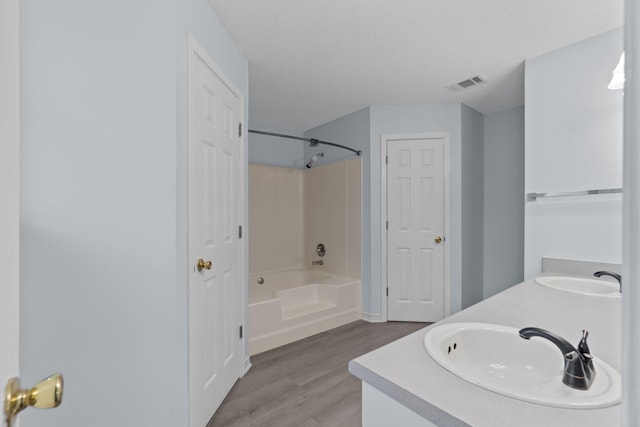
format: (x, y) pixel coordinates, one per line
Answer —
(465, 84)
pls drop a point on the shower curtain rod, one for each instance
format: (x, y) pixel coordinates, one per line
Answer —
(314, 142)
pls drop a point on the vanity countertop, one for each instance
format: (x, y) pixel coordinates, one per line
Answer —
(404, 371)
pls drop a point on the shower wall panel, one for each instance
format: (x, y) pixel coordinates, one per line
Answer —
(354, 218)
(333, 216)
(292, 210)
(276, 218)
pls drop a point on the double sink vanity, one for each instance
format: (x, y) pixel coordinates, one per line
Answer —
(481, 367)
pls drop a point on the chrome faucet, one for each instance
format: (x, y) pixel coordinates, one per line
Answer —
(608, 273)
(579, 371)
(319, 262)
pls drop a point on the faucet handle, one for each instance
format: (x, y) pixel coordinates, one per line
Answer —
(583, 347)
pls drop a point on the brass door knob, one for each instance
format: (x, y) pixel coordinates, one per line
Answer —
(438, 239)
(204, 265)
(45, 395)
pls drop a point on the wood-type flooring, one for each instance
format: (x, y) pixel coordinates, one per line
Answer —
(306, 383)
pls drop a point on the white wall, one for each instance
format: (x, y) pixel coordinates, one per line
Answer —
(103, 201)
(573, 134)
(503, 200)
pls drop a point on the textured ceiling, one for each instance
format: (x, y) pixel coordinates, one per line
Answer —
(311, 61)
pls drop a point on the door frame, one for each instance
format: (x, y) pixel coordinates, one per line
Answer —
(195, 48)
(9, 191)
(384, 139)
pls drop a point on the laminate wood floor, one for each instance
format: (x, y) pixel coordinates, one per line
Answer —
(306, 383)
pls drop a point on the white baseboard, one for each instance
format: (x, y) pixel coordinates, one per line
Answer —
(372, 318)
(247, 366)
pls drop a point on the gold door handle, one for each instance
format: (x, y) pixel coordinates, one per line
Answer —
(439, 239)
(45, 395)
(204, 265)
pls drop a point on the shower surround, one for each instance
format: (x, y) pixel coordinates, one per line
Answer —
(290, 212)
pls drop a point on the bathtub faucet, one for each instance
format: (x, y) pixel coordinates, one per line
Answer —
(578, 362)
(319, 262)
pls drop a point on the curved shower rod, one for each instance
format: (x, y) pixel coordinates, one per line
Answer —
(314, 142)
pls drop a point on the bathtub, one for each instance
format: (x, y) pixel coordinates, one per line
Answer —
(293, 304)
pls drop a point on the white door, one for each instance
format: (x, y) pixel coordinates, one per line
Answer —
(9, 195)
(9, 259)
(215, 198)
(10, 221)
(415, 229)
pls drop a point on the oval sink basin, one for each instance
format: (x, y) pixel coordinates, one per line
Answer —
(496, 358)
(579, 285)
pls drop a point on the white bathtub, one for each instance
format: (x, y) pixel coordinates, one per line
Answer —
(293, 304)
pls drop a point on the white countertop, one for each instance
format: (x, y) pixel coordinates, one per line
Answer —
(404, 371)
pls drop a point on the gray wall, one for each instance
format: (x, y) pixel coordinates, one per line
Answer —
(573, 142)
(631, 267)
(503, 200)
(351, 130)
(465, 127)
(486, 159)
(409, 119)
(103, 204)
(276, 151)
(472, 205)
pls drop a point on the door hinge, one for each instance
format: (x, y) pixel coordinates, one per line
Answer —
(387, 291)
(240, 130)
(240, 331)
(240, 232)
(387, 225)
(387, 160)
